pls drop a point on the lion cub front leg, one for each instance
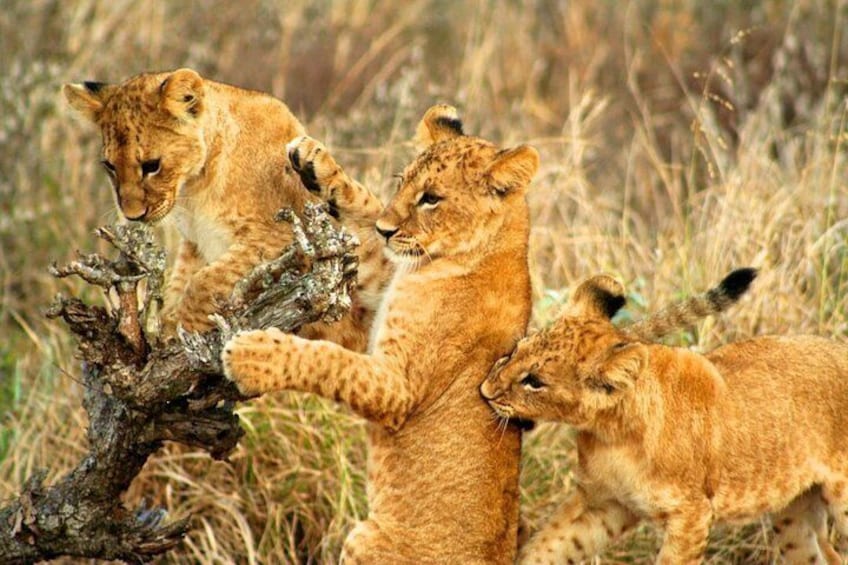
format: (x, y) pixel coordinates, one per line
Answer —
(577, 530)
(268, 360)
(357, 208)
(687, 530)
(187, 263)
(214, 283)
(349, 200)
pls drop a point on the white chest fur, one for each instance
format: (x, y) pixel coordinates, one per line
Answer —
(212, 239)
(377, 327)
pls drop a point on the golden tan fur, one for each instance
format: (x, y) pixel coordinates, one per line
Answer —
(684, 439)
(442, 476)
(211, 157)
(691, 310)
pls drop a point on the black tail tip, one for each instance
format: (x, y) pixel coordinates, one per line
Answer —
(736, 283)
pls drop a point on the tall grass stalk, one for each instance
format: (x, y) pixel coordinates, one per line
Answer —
(678, 140)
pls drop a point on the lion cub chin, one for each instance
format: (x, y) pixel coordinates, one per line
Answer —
(680, 438)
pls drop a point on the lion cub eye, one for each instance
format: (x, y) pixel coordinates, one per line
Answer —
(110, 168)
(532, 382)
(150, 167)
(429, 199)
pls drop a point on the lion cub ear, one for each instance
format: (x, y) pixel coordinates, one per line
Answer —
(439, 123)
(598, 297)
(88, 98)
(513, 169)
(182, 94)
(621, 368)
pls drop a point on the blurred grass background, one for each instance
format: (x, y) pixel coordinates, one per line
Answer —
(679, 139)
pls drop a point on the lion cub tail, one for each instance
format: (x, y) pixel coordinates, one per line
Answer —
(689, 311)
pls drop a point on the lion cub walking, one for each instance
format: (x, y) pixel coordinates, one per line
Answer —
(681, 438)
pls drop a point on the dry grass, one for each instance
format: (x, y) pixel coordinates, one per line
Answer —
(679, 140)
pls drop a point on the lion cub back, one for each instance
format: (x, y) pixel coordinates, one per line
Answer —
(792, 389)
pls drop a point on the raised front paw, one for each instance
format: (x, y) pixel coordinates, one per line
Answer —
(251, 359)
(314, 164)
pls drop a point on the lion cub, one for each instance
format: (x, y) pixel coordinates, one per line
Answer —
(681, 438)
(211, 158)
(442, 476)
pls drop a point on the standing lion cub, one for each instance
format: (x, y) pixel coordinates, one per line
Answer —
(680, 438)
(442, 477)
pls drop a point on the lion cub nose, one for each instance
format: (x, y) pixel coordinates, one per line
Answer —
(488, 391)
(386, 232)
(136, 216)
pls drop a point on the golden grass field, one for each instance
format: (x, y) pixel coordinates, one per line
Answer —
(679, 139)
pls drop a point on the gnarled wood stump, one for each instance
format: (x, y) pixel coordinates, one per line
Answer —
(141, 390)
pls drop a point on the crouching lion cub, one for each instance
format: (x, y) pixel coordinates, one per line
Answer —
(680, 438)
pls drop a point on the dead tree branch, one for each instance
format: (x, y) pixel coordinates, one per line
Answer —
(141, 390)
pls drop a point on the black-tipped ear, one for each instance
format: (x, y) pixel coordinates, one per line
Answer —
(737, 283)
(93, 86)
(454, 124)
(600, 297)
(88, 98)
(439, 123)
(182, 94)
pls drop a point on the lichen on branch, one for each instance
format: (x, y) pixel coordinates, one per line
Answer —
(141, 389)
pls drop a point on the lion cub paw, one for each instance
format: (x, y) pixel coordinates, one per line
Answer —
(314, 164)
(248, 359)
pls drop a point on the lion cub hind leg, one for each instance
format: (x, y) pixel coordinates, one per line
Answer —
(577, 530)
(366, 544)
(800, 531)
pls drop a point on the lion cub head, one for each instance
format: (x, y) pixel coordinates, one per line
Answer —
(152, 136)
(574, 370)
(453, 198)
